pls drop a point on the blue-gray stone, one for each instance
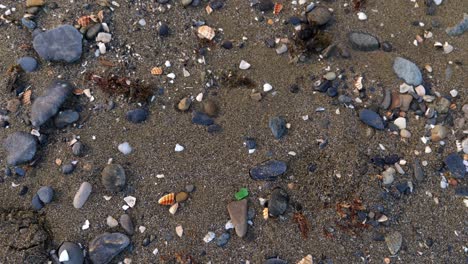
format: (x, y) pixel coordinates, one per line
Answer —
(203, 119)
(269, 170)
(408, 71)
(278, 202)
(137, 115)
(278, 127)
(47, 105)
(459, 28)
(28, 23)
(461, 191)
(46, 194)
(75, 253)
(28, 64)
(275, 261)
(455, 165)
(63, 43)
(68, 168)
(36, 203)
(363, 41)
(223, 239)
(21, 147)
(66, 118)
(371, 118)
(105, 247)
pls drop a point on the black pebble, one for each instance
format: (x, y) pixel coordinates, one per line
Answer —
(163, 30)
(227, 45)
(8, 172)
(68, 168)
(217, 4)
(270, 43)
(386, 46)
(137, 115)
(312, 167)
(20, 171)
(332, 91)
(215, 128)
(266, 5)
(294, 88)
(23, 191)
(250, 143)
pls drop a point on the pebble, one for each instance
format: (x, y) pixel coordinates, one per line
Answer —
(24, 190)
(278, 202)
(105, 247)
(189, 188)
(267, 87)
(330, 76)
(36, 203)
(47, 105)
(33, 3)
(163, 30)
(394, 240)
(186, 3)
(371, 118)
(363, 41)
(405, 133)
(408, 71)
(400, 122)
(459, 28)
(137, 115)
(28, 23)
(92, 32)
(465, 145)
(438, 2)
(388, 176)
(127, 224)
(181, 197)
(77, 148)
(82, 195)
(387, 46)
(269, 170)
(103, 37)
(209, 237)
(278, 127)
(418, 171)
(28, 64)
(281, 49)
(199, 118)
(46, 194)
(184, 104)
(21, 147)
(125, 148)
(278, 261)
(439, 132)
(405, 101)
(238, 214)
(179, 148)
(265, 5)
(319, 16)
(362, 16)
(73, 252)
(63, 43)
(227, 44)
(244, 65)
(142, 22)
(111, 222)
(223, 239)
(210, 108)
(68, 168)
(113, 177)
(66, 118)
(455, 165)
(179, 230)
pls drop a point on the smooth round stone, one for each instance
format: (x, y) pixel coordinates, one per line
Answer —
(111, 222)
(275, 261)
(408, 71)
(190, 188)
(371, 118)
(28, 64)
(184, 104)
(63, 43)
(46, 194)
(388, 176)
(227, 45)
(105, 247)
(405, 133)
(439, 132)
(113, 177)
(269, 170)
(127, 224)
(66, 118)
(137, 115)
(319, 16)
(400, 122)
(181, 197)
(125, 148)
(47, 105)
(68, 168)
(278, 127)
(142, 22)
(37, 203)
(278, 202)
(28, 23)
(21, 147)
(330, 76)
(163, 30)
(186, 3)
(92, 32)
(74, 252)
(82, 195)
(77, 148)
(265, 5)
(363, 41)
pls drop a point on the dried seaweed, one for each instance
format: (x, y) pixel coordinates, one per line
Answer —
(358, 4)
(115, 85)
(348, 212)
(302, 223)
(12, 77)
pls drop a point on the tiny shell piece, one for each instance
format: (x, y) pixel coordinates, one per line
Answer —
(173, 208)
(156, 71)
(306, 260)
(265, 213)
(358, 83)
(277, 8)
(179, 230)
(168, 199)
(27, 97)
(206, 32)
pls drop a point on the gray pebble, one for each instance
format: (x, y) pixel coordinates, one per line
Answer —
(408, 71)
(113, 177)
(37, 203)
(127, 224)
(66, 118)
(75, 253)
(82, 195)
(269, 170)
(92, 32)
(105, 247)
(363, 41)
(46, 194)
(278, 127)
(28, 64)
(63, 43)
(278, 202)
(68, 168)
(77, 148)
(21, 147)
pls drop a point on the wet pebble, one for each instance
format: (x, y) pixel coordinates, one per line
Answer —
(77, 148)
(238, 214)
(28, 64)
(63, 43)
(278, 202)
(269, 170)
(459, 28)
(363, 41)
(371, 118)
(408, 71)
(46, 194)
(23, 191)
(278, 127)
(455, 165)
(47, 105)
(127, 224)
(394, 241)
(137, 115)
(223, 239)
(319, 16)
(73, 251)
(113, 177)
(66, 118)
(105, 247)
(82, 195)
(68, 168)
(21, 147)
(418, 171)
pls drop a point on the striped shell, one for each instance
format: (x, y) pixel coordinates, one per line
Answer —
(84, 21)
(173, 208)
(277, 8)
(206, 32)
(265, 213)
(306, 260)
(168, 199)
(156, 71)
(27, 97)
(358, 82)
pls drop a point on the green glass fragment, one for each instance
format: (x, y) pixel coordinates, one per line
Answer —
(241, 194)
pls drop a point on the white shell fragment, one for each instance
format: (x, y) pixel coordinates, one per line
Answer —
(125, 148)
(179, 230)
(244, 65)
(130, 200)
(209, 237)
(179, 148)
(362, 16)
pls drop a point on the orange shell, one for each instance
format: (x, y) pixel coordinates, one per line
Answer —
(277, 8)
(27, 97)
(206, 32)
(77, 91)
(168, 199)
(156, 71)
(84, 21)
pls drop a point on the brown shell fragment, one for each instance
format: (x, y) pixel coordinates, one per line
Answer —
(27, 97)
(85, 21)
(77, 91)
(168, 199)
(277, 8)
(306, 260)
(206, 32)
(157, 71)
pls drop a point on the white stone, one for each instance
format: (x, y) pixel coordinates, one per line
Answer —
(267, 87)
(228, 225)
(362, 16)
(447, 48)
(171, 75)
(155, 251)
(142, 229)
(125, 148)
(142, 22)
(199, 97)
(111, 222)
(400, 122)
(130, 200)
(167, 64)
(102, 48)
(179, 230)
(85, 225)
(465, 145)
(185, 72)
(104, 37)
(454, 93)
(209, 237)
(404, 88)
(420, 90)
(438, 2)
(244, 65)
(105, 27)
(179, 148)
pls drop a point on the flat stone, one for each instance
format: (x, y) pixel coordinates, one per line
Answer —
(113, 177)
(394, 241)
(46, 194)
(418, 171)
(363, 41)
(74, 252)
(439, 132)
(37, 203)
(21, 147)
(127, 224)
(459, 28)
(400, 122)
(278, 127)
(82, 195)
(223, 239)
(278, 202)
(63, 43)
(408, 71)
(455, 165)
(371, 119)
(105, 247)
(136, 116)
(66, 118)
(238, 214)
(47, 105)
(103, 37)
(28, 64)
(77, 148)
(275, 261)
(269, 170)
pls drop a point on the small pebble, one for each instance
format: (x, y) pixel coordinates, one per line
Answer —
(125, 148)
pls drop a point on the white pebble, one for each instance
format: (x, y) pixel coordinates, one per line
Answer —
(179, 148)
(167, 64)
(111, 221)
(454, 93)
(142, 22)
(400, 122)
(427, 150)
(209, 237)
(362, 16)
(142, 229)
(105, 27)
(199, 97)
(179, 230)
(125, 148)
(85, 225)
(171, 75)
(130, 200)
(155, 251)
(267, 87)
(104, 37)
(228, 225)
(102, 48)
(244, 65)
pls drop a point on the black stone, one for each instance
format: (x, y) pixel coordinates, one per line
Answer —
(24, 190)
(163, 30)
(105, 247)
(371, 119)
(278, 202)
(269, 170)
(455, 165)
(265, 5)
(386, 46)
(227, 44)
(68, 168)
(137, 115)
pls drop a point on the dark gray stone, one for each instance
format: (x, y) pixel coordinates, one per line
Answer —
(113, 177)
(77, 148)
(92, 32)
(363, 41)
(319, 16)
(63, 43)
(371, 118)
(269, 170)
(408, 71)
(37, 203)
(75, 253)
(46, 194)
(68, 168)
(278, 202)
(137, 115)
(265, 5)
(455, 165)
(203, 119)
(28, 64)
(21, 147)
(127, 224)
(275, 261)
(418, 171)
(105, 247)
(223, 239)
(278, 127)
(47, 105)
(459, 28)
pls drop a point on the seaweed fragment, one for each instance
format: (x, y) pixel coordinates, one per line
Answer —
(302, 223)
(115, 85)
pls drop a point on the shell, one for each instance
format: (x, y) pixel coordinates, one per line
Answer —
(168, 199)
(206, 32)
(208, 9)
(27, 97)
(277, 8)
(306, 260)
(265, 213)
(84, 21)
(173, 208)
(100, 16)
(77, 91)
(358, 82)
(156, 71)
